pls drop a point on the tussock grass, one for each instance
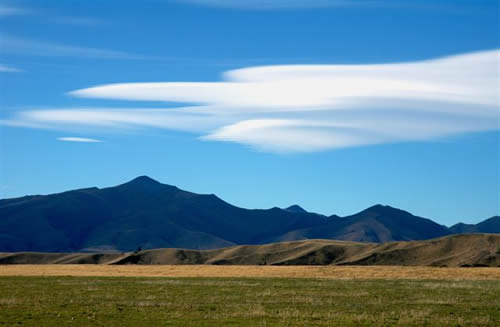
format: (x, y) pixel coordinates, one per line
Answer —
(157, 301)
(332, 272)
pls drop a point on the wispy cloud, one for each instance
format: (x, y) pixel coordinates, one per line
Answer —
(282, 4)
(109, 118)
(8, 69)
(14, 45)
(81, 21)
(260, 5)
(79, 139)
(6, 10)
(307, 108)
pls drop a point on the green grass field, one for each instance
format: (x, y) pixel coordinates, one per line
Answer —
(131, 301)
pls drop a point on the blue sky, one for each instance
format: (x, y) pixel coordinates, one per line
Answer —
(334, 105)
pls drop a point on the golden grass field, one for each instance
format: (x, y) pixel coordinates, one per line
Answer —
(327, 272)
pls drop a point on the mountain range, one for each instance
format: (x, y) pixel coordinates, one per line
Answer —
(146, 214)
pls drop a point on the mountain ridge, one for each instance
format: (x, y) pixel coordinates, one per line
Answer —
(144, 213)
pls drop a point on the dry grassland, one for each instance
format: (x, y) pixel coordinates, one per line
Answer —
(327, 272)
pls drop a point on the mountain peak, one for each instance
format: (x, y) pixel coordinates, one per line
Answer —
(381, 207)
(144, 180)
(385, 210)
(377, 206)
(296, 209)
(147, 184)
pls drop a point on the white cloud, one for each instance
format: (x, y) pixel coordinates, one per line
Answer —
(8, 69)
(333, 132)
(78, 139)
(281, 4)
(14, 45)
(282, 135)
(464, 81)
(309, 107)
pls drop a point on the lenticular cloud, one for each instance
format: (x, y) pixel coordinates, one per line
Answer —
(301, 108)
(466, 79)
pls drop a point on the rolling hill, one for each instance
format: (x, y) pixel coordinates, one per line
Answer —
(144, 213)
(449, 251)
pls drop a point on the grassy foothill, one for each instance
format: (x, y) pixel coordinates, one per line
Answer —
(157, 301)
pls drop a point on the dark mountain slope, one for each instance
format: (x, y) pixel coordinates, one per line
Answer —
(462, 228)
(140, 213)
(375, 224)
(295, 208)
(491, 225)
(147, 214)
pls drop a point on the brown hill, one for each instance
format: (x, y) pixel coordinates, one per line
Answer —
(450, 251)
